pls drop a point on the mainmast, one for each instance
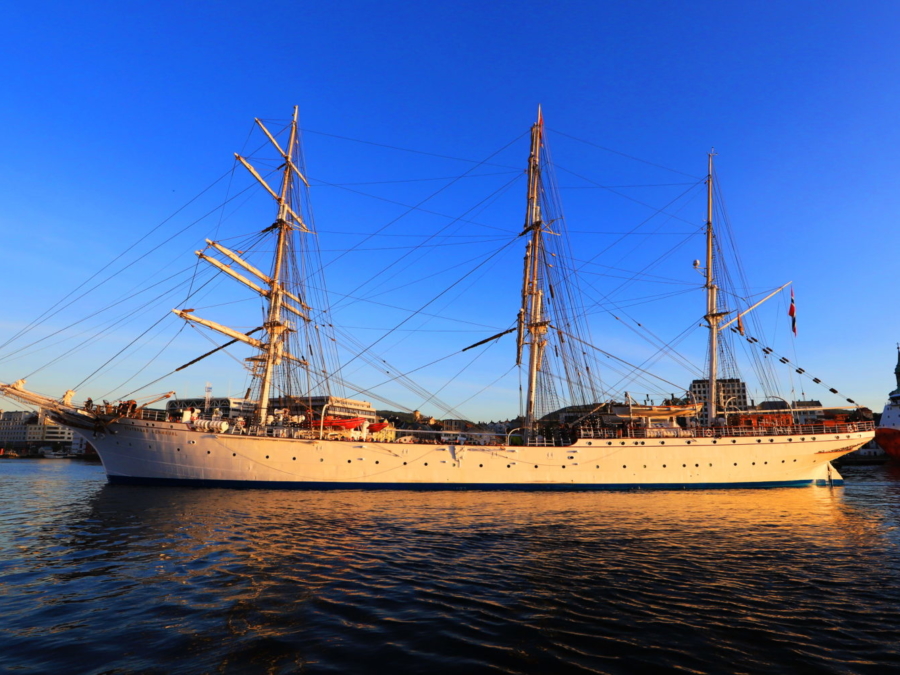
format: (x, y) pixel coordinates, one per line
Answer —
(532, 325)
(712, 313)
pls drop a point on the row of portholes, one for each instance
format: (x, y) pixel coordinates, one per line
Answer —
(715, 441)
(234, 454)
(508, 466)
(684, 466)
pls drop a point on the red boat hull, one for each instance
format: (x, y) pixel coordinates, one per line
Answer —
(889, 440)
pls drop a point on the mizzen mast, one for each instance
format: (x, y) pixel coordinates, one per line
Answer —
(532, 327)
(713, 316)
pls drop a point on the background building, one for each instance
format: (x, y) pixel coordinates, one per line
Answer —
(23, 429)
(731, 396)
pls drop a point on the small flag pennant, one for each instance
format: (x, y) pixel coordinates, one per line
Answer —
(792, 312)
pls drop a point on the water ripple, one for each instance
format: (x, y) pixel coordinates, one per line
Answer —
(102, 579)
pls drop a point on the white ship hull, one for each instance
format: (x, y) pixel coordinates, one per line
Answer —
(144, 452)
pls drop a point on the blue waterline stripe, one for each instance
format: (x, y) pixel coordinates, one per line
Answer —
(545, 487)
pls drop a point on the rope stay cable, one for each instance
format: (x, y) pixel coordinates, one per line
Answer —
(622, 154)
(48, 312)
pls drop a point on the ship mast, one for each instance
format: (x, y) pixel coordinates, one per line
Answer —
(271, 287)
(532, 326)
(274, 325)
(712, 314)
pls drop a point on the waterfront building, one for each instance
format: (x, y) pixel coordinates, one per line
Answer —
(26, 429)
(808, 412)
(12, 428)
(731, 395)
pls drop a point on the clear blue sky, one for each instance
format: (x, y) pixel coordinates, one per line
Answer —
(113, 115)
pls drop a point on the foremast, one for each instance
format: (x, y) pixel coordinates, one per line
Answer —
(532, 326)
(270, 286)
(274, 326)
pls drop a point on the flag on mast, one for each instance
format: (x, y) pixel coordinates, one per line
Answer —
(792, 312)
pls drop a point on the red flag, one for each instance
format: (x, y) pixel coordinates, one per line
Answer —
(792, 312)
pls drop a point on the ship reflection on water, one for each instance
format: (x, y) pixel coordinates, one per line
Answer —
(217, 580)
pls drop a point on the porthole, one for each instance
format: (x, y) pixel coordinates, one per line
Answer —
(684, 466)
(621, 442)
(535, 466)
(697, 465)
(733, 441)
(765, 462)
(480, 466)
(507, 466)
(664, 466)
(404, 464)
(564, 466)
(623, 466)
(759, 440)
(710, 463)
(813, 438)
(597, 467)
(753, 463)
(178, 449)
(795, 460)
(802, 438)
(645, 466)
(782, 461)
(688, 442)
(321, 459)
(642, 442)
(790, 440)
(267, 457)
(348, 461)
(735, 463)
(294, 458)
(771, 440)
(426, 463)
(588, 443)
(376, 461)
(207, 452)
(609, 442)
(662, 442)
(234, 454)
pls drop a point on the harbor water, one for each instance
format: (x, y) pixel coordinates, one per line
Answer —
(113, 579)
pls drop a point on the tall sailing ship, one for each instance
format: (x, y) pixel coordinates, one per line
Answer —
(290, 432)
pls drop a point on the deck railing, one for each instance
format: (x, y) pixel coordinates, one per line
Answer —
(719, 432)
(477, 438)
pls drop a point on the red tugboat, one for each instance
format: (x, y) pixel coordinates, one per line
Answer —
(887, 434)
